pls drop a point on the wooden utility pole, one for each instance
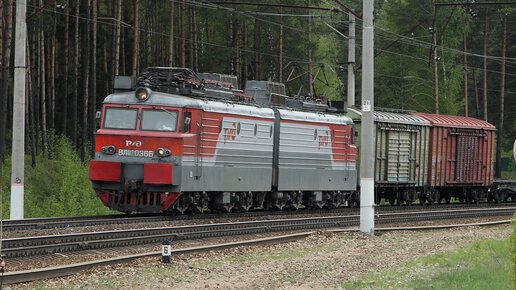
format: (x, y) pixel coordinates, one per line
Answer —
(498, 170)
(434, 55)
(351, 61)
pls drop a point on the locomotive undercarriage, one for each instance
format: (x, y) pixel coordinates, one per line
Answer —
(199, 202)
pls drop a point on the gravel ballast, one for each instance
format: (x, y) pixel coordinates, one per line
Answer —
(322, 261)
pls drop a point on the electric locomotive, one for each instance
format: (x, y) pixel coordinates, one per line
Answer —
(171, 142)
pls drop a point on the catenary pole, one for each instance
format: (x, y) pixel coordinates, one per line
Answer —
(367, 139)
(18, 145)
(351, 61)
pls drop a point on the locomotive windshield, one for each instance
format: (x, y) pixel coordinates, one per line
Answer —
(120, 118)
(159, 120)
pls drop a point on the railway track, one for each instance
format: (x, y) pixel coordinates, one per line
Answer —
(32, 246)
(335, 224)
(123, 219)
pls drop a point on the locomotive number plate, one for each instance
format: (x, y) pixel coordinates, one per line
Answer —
(135, 153)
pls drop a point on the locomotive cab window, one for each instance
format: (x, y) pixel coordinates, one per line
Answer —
(159, 120)
(120, 118)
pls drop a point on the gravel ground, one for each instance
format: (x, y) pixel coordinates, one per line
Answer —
(322, 261)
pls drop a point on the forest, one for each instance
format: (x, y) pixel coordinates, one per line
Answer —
(429, 56)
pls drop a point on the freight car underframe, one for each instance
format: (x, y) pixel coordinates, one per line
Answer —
(503, 190)
(403, 194)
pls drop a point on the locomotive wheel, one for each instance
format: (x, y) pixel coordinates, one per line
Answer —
(199, 202)
(243, 201)
(354, 200)
(275, 201)
(294, 200)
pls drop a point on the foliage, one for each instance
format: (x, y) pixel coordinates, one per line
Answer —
(57, 186)
(488, 268)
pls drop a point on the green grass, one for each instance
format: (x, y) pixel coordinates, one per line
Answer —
(480, 265)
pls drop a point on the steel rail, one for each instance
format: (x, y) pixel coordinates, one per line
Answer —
(31, 246)
(67, 270)
(118, 219)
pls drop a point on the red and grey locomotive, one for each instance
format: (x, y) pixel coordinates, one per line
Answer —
(178, 144)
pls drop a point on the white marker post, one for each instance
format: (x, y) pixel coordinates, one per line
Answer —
(165, 251)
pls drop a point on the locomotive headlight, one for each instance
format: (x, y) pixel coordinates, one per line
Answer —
(110, 149)
(163, 152)
(142, 94)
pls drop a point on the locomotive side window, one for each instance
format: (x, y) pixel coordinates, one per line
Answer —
(120, 118)
(159, 120)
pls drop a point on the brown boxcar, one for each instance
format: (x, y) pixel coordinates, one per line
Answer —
(460, 157)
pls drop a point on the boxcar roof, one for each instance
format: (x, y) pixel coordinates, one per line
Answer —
(393, 117)
(456, 121)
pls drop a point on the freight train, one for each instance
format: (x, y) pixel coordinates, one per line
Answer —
(172, 142)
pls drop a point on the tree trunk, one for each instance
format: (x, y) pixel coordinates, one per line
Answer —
(171, 35)
(34, 90)
(280, 78)
(116, 44)
(136, 46)
(484, 87)
(30, 103)
(85, 79)
(190, 38)
(498, 171)
(76, 76)
(477, 105)
(65, 80)
(465, 66)
(53, 73)
(245, 73)
(4, 100)
(236, 47)
(309, 29)
(42, 85)
(182, 52)
(256, 48)
(194, 39)
(93, 107)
